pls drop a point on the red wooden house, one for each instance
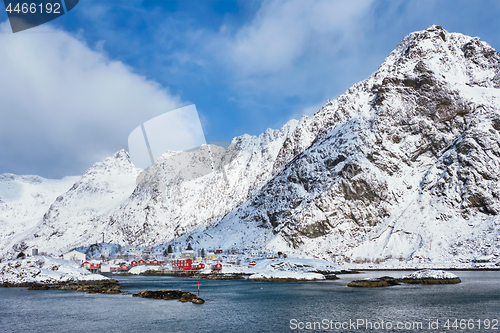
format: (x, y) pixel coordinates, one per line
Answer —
(182, 264)
(198, 266)
(216, 267)
(91, 266)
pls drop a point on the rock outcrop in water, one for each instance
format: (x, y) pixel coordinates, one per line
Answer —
(169, 295)
(384, 281)
(426, 276)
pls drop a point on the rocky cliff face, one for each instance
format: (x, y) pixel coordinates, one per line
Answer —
(404, 165)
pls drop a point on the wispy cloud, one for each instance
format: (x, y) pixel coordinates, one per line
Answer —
(284, 32)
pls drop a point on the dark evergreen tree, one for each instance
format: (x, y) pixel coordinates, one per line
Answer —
(169, 250)
(189, 248)
(203, 253)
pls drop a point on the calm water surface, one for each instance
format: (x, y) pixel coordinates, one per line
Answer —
(245, 306)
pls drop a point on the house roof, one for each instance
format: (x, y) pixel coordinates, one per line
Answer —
(74, 251)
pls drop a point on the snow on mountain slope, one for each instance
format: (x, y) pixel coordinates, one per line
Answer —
(24, 200)
(163, 207)
(404, 165)
(167, 200)
(69, 221)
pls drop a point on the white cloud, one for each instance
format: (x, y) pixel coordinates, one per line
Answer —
(65, 106)
(283, 31)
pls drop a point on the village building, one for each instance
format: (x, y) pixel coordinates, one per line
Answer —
(233, 259)
(211, 256)
(187, 254)
(216, 267)
(182, 264)
(93, 267)
(75, 256)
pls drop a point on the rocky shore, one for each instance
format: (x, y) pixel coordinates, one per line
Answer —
(110, 287)
(91, 287)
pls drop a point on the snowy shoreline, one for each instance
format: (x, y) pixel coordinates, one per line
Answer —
(357, 270)
(44, 270)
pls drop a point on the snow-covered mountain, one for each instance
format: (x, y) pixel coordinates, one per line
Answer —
(62, 213)
(23, 201)
(403, 166)
(125, 205)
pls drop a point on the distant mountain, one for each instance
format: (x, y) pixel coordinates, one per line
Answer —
(402, 167)
(116, 201)
(23, 201)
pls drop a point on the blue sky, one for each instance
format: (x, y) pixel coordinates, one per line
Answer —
(72, 90)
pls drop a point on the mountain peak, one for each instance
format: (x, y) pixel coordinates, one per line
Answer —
(450, 58)
(122, 155)
(434, 27)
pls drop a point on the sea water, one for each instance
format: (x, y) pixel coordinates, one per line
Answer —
(247, 306)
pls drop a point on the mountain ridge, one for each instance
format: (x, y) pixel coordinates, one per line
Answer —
(403, 165)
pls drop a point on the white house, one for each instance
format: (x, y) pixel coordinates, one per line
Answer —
(75, 256)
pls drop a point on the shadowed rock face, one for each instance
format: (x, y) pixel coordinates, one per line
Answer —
(411, 112)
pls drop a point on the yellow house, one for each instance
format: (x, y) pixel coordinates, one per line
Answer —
(211, 256)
